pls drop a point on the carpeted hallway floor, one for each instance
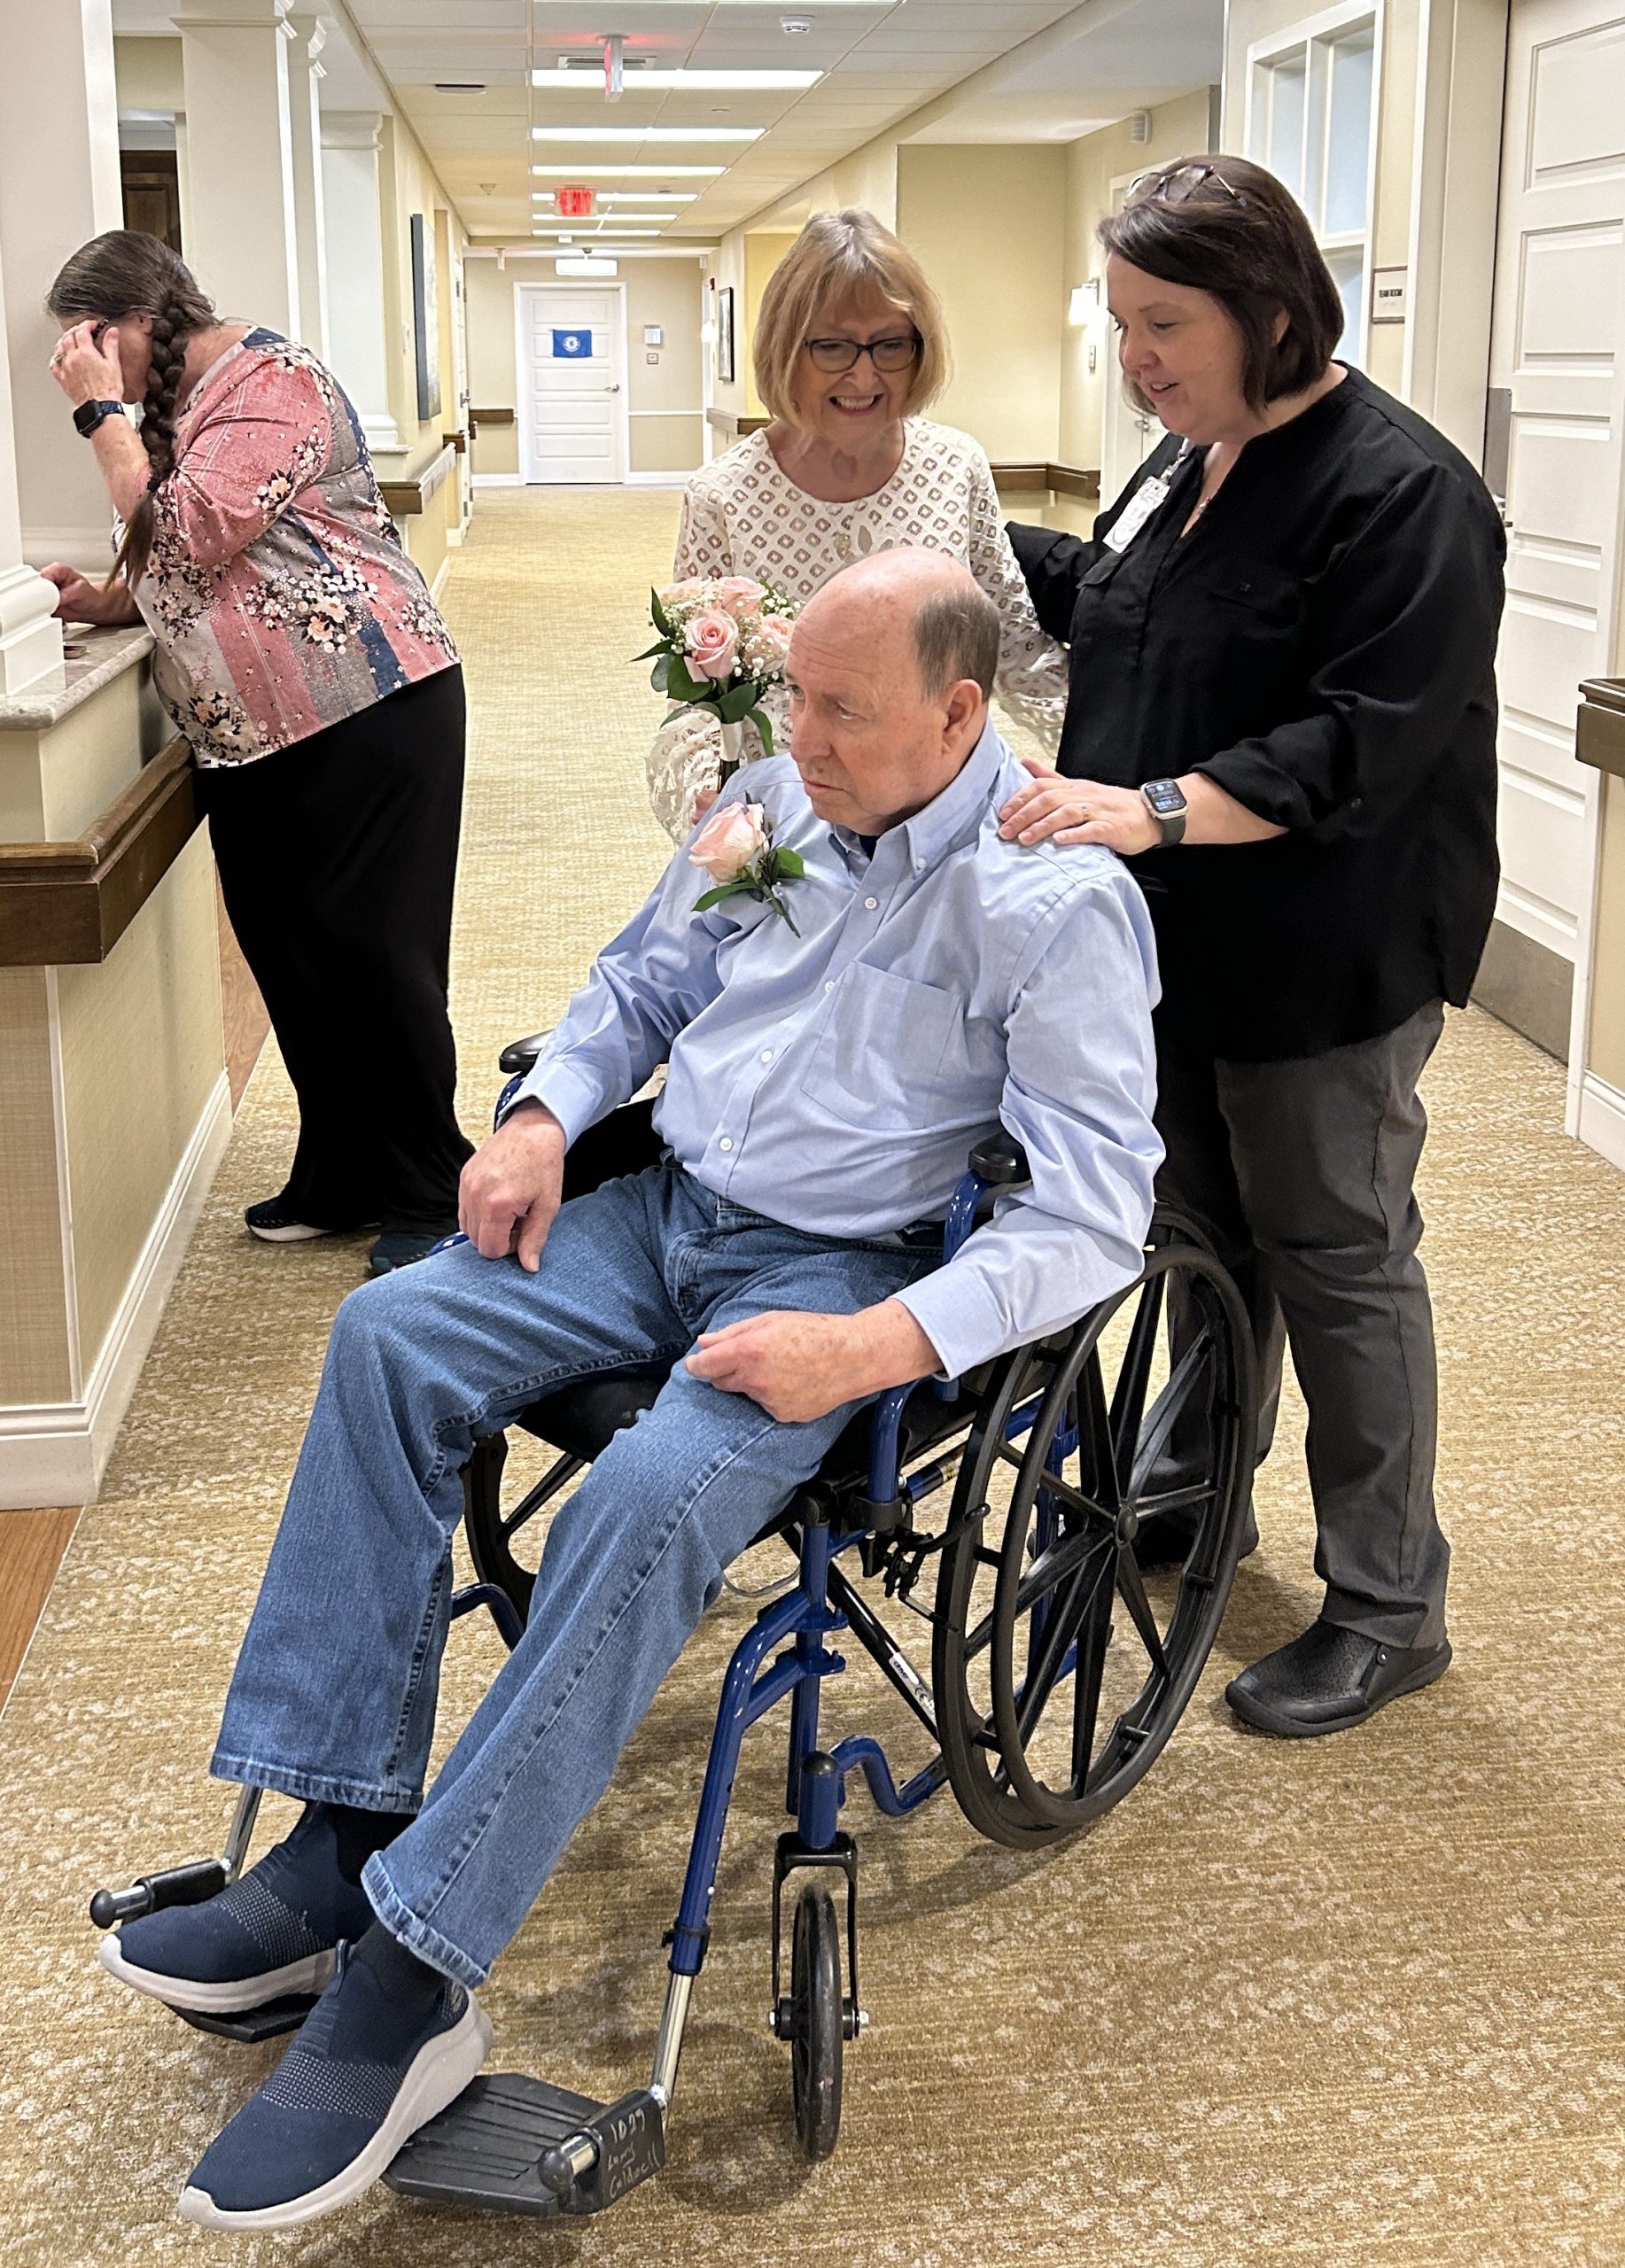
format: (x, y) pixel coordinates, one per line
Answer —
(1359, 2001)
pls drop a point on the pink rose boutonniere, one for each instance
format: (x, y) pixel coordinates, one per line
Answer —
(719, 645)
(736, 849)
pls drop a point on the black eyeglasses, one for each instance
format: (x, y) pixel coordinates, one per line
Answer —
(886, 353)
(1182, 184)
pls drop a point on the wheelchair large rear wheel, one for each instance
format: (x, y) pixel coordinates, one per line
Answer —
(1060, 1668)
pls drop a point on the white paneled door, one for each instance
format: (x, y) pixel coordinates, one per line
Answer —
(1558, 346)
(572, 375)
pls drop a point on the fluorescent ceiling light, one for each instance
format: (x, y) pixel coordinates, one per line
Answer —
(646, 134)
(717, 81)
(605, 235)
(647, 195)
(629, 172)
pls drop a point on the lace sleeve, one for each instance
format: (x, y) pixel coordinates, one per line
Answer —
(687, 757)
(1032, 667)
(703, 545)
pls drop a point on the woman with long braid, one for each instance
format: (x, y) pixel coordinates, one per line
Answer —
(299, 652)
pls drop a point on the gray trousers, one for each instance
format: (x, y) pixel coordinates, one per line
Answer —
(1302, 1174)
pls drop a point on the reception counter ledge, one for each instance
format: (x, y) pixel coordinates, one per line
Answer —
(114, 1110)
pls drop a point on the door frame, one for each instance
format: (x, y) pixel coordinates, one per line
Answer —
(522, 357)
(1118, 417)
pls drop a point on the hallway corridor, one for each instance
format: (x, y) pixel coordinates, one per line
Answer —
(1354, 2001)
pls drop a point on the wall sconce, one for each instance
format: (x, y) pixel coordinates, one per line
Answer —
(1084, 302)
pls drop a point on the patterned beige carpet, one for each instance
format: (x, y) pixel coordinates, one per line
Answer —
(1355, 2002)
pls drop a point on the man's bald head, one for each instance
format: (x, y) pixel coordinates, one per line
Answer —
(890, 666)
(929, 599)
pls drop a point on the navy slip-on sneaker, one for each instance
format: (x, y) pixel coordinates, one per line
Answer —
(352, 2088)
(270, 1932)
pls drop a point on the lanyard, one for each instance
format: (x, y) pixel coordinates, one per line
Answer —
(1148, 499)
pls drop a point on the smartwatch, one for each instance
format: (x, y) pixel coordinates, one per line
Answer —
(89, 414)
(1167, 806)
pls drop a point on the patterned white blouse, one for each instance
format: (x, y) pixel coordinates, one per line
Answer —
(743, 515)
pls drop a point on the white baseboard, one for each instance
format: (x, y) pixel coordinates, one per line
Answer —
(55, 1453)
(499, 480)
(440, 573)
(1602, 1119)
(659, 479)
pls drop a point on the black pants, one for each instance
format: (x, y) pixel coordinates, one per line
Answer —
(337, 858)
(1302, 1174)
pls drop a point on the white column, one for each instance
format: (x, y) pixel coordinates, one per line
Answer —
(243, 246)
(304, 76)
(30, 641)
(356, 326)
(58, 187)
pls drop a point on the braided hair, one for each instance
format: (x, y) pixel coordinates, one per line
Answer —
(124, 273)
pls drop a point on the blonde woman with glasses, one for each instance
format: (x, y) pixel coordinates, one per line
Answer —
(851, 347)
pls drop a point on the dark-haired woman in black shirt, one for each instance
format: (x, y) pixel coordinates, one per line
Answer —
(1283, 707)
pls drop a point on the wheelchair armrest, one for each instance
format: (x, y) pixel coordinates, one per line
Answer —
(520, 1055)
(999, 1161)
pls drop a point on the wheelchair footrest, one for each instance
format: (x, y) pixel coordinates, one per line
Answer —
(252, 2024)
(510, 2144)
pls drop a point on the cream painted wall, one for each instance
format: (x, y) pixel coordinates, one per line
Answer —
(408, 184)
(1605, 1053)
(987, 223)
(765, 248)
(1093, 164)
(663, 398)
(149, 74)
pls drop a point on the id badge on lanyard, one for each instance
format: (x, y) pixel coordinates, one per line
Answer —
(1148, 499)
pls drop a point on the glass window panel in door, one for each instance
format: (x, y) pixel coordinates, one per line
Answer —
(1284, 156)
(1349, 274)
(1348, 166)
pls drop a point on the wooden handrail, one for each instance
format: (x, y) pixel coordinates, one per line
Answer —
(402, 498)
(68, 902)
(1599, 735)
(492, 416)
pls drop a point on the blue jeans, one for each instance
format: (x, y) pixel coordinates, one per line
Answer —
(333, 1697)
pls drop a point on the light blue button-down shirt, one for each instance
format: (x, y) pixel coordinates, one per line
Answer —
(834, 1077)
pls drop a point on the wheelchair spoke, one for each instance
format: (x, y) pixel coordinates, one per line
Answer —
(1128, 1408)
(1096, 1458)
(1058, 1632)
(1166, 1407)
(1132, 1586)
(1087, 1677)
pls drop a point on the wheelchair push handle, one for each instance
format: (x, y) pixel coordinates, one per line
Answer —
(186, 1885)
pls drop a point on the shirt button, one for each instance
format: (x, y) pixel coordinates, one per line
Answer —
(919, 865)
(829, 984)
(767, 1055)
(726, 1143)
(871, 903)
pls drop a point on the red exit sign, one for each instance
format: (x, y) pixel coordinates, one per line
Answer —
(575, 203)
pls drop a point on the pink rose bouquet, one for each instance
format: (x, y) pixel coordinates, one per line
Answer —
(736, 849)
(719, 645)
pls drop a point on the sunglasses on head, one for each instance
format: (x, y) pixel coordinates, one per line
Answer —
(1182, 184)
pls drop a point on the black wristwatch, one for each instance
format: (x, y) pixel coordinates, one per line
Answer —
(1167, 806)
(89, 414)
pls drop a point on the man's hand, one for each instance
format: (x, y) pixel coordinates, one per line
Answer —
(87, 368)
(509, 1189)
(79, 600)
(800, 1366)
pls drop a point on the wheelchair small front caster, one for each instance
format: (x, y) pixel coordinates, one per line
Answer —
(815, 2023)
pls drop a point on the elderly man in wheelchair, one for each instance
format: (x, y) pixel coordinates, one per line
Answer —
(798, 1298)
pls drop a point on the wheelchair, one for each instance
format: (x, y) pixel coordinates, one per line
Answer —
(1056, 1676)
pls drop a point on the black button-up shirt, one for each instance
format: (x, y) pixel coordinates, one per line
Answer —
(1322, 645)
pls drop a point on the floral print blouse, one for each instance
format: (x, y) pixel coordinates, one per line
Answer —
(277, 591)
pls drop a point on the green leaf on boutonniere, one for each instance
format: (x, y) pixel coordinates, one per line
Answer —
(791, 864)
(758, 717)
(725, 890)
(657, 613)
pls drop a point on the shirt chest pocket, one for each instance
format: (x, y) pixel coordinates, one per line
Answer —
(893, 1053)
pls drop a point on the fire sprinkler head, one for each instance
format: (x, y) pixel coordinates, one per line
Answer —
(793, 25)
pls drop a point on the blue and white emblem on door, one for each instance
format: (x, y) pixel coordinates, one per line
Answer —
(572, 346)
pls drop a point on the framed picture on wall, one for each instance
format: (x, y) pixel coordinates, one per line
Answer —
(725, 334)
(425, 321)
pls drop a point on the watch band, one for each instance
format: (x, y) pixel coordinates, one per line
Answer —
(89, 414)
